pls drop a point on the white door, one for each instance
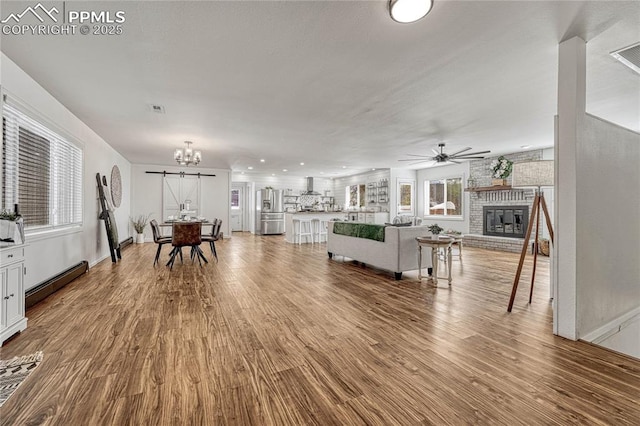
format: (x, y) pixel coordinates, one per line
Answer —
(237, 203)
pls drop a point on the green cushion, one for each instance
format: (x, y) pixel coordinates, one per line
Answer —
(359, 230)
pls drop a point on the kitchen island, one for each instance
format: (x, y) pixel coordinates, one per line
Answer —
(289, 217)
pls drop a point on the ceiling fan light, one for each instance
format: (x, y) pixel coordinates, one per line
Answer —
(407, 11)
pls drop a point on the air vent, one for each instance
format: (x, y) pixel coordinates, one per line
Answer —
(159, 109)
(630, 56)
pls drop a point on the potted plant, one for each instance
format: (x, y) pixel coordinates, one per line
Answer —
(139, 223)
(435, 229)
(11, 228)
(501, 170)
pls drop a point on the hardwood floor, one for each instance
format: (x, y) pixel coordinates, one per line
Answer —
(278, 334)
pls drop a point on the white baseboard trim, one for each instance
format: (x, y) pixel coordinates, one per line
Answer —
(612, 327)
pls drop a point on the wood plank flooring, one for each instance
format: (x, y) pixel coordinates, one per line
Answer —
(278, 334)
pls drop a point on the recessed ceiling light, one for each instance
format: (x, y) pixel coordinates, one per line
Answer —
(372, 169)
(273, 174)
(262, 160)
(302, 164)
(344, 167)
(285, 170)
(407, 11)
(242, 173)
(525, 146)
(250, 168)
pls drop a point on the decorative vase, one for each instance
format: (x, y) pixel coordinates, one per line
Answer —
(140, 239)
(7, 230)
(498, 182)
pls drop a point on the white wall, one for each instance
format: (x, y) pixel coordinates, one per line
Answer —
(607, 223)
(597, 212)
(147, 190)
(48, 256)
(443, 172)
(297, 184)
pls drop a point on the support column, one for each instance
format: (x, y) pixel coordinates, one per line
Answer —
(571, 112)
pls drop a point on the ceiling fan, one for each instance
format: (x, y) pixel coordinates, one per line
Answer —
(443, 157)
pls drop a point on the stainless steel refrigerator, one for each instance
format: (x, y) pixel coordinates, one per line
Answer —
(269, 212)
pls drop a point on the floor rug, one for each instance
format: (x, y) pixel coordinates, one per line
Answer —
(14, 371)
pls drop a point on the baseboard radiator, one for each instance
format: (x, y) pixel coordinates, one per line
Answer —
(126, 242)
(54, 284)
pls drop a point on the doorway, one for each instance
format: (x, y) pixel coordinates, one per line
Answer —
(237, 207)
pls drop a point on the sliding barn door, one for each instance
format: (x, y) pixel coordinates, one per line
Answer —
(177, 190)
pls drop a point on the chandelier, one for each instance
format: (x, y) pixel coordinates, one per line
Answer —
(187, 156)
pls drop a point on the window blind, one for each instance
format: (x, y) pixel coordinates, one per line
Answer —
(42, 173)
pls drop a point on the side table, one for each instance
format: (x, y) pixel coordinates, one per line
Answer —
(435, 243)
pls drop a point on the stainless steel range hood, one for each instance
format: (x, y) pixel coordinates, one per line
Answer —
(310, 190)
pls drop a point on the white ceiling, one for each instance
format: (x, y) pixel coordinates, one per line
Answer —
(330, 83)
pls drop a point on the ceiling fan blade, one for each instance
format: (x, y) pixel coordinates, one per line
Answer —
(454, 161)
(418, 155)
(459, 152)
(464, 157)
(476, 153)
(416, 159)
(418, 162)
(435, 151)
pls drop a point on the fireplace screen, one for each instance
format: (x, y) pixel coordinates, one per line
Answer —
(506, 221)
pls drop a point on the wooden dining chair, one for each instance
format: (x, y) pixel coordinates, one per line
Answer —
(158, 239)
(213, 236)
(185, 234)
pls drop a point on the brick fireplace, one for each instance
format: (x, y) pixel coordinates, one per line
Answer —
(498, 200)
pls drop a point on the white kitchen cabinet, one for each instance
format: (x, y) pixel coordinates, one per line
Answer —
(375, 218)
(12, 319)
(380, 218)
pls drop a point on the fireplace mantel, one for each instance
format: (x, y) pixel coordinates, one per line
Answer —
(490, 188)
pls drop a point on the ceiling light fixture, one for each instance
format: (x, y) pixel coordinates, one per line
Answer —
(285, 170)
(302, 164)
(407, 11)
(187, 156)
(250, 168)
(262, 160)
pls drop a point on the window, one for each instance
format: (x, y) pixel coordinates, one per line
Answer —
(235, 199)
(355, 195)
(42, 173)
(443, 197)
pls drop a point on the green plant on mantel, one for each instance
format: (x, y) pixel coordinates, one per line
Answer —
(8, 215)
(435, 229)
(501, 168)
(140, 222)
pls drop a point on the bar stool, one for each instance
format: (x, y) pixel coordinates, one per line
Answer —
(302, 228)
(320, 227)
